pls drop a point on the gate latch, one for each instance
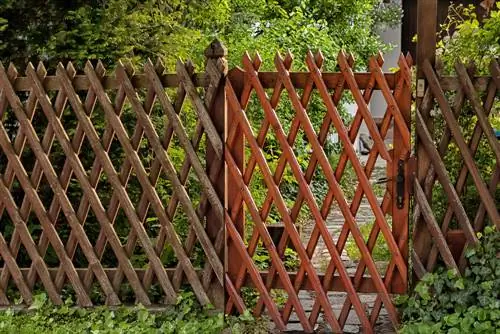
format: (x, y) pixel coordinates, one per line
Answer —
(400, 185)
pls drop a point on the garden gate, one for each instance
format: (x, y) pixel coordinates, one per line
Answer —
(248, 213)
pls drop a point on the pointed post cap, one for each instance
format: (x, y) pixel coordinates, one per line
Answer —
(216, 49)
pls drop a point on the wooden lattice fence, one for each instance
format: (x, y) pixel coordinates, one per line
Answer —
(121, 187)
(92, 190)
(455, 119)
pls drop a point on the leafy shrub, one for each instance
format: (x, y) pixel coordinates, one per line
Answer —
(185, 317)
(445, 302)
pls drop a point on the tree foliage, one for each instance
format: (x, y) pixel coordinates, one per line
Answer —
(56, 30)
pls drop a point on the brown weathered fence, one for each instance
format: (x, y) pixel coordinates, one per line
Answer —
(463, 125)
(121, 187)
(91, 193)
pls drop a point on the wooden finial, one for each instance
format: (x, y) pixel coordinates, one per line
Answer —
(216, 49)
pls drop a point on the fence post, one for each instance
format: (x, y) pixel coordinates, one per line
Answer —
(216, 73)
(426, 51)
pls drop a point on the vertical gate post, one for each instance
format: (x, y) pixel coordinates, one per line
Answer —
(216, 73)
(426, 51)
(237, 150)
(401, 160)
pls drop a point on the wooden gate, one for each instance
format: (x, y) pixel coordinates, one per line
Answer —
(262, 147)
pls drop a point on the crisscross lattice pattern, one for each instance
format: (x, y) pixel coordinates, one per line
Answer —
(263, 148)
(105, 188)
(462, 133)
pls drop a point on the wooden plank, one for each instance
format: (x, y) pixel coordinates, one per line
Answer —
(109, 82)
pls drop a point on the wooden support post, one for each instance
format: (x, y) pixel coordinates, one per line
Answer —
(400, 167)
(216, 71)
(426, 50)
(237, 150)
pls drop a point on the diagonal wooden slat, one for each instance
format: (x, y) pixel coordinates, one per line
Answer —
(433, 227)
(477, 106)
(201, 109)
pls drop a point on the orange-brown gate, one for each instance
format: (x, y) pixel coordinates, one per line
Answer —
(293, 207)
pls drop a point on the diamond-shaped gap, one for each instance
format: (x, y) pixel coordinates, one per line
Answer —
(86, 155)
(128, 116)
(98, 119)
(122, 226)
(45, 192)
(10, 122)
(17, 192)
(27, 157)
(39, 122)
(197, 256)
(194, 188)
(319, 186)
(317, 110)
(135, 190)
(34, 227)
(23, 259)
(51, 258)
(91, 226)
(104, 188)
(79, 259)
(97, 295)
(255, 112)
(168, 256)
(181, 223)
(109, 259)
(337, 300)
(284, 109)
(6, 230)
(453, 161)
(321, 256)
